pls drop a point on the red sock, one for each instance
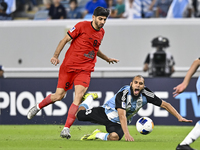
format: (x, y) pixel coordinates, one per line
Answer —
(45, 102)
(71, 115)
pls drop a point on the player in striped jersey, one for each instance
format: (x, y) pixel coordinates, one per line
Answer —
(117, 112)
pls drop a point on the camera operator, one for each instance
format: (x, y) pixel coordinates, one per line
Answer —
(159, 63)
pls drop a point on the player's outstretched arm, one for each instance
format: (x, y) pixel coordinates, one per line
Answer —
(123, 121)
(181, 87)
(173, 111)
(54, 60)
(104, 57)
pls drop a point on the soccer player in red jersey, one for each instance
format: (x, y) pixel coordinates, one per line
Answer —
(77, 65)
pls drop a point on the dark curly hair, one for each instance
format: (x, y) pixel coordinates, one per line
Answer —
(100, 11)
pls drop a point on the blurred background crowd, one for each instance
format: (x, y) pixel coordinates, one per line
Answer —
(83, 9)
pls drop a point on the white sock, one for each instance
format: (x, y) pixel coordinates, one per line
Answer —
(65, 128)
(102, 136)
(193, 135)
(38, 106)
(87, 103)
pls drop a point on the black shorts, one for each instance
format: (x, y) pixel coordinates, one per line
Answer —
(97, 115)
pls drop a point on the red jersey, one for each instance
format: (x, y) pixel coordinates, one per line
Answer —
(84, 46)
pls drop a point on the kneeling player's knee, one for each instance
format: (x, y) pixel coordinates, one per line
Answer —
(113, 137)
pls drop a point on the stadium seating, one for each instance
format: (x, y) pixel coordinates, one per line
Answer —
(41, 15)
(88, 16)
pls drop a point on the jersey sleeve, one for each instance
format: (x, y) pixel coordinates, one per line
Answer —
(75, 31)
(120, 100)
(151, 97)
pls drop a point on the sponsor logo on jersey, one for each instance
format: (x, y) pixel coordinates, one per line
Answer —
(124, 105)
(90, 54)
(72, 29)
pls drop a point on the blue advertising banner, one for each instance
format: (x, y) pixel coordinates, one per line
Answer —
(18, 95)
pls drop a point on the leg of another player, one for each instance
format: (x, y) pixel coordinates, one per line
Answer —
(190, 138)
(51, 98)
(79, 92)
(58, 95)
(97, 134)
(86, 104)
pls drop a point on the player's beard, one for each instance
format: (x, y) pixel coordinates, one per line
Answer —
(132, 92)
(98, 25)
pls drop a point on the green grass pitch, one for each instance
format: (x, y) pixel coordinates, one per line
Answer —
(46, 137)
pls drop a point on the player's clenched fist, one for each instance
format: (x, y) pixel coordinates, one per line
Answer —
(55, 61)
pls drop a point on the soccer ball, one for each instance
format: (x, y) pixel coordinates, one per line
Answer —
(144, 125)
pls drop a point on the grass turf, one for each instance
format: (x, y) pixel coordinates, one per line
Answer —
(46, 137)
